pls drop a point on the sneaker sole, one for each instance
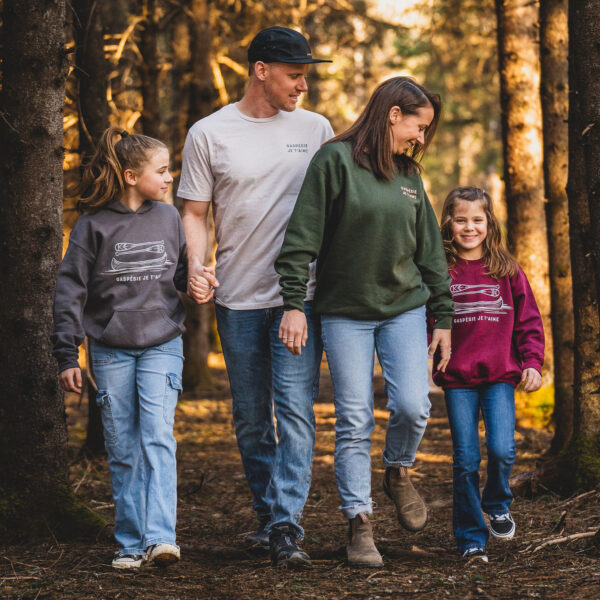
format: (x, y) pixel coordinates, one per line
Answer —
(122, 567)
(408, 528)
(503, 536)
(164, 560)
(294, 562)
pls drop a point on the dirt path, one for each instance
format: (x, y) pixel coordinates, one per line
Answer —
(215, 515)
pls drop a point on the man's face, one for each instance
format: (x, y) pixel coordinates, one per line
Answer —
(284, 83)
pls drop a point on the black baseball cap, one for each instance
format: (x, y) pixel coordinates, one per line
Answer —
(280, 44)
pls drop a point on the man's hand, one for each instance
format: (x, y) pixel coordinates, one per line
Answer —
(531, 380)
(293, 331)
(201, 285)
(70, 380)
(441, 338)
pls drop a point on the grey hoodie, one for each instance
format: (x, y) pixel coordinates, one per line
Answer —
(118, 280)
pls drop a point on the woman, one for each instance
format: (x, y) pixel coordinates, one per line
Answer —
(363, 213)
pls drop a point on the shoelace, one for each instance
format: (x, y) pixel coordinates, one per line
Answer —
(504, 517)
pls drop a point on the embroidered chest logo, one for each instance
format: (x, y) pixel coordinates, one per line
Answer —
(485, 299)
(410, 192)
(146, 259)
(297, 148)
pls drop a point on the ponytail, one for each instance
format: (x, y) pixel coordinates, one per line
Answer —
(102, 180)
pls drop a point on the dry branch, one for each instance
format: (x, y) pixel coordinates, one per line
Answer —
(568, 538)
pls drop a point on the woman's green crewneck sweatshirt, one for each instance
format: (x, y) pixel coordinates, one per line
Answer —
(377, 243)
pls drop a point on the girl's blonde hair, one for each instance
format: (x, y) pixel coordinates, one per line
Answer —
(496, 257)
(102, 180)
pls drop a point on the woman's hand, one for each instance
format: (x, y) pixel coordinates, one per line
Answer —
(441, 338)
(531, 380)
(70, 380)
(201, 285)
(293, 331)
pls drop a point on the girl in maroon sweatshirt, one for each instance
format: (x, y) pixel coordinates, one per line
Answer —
(497, 343)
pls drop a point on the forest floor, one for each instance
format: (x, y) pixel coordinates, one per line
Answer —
(214, 516)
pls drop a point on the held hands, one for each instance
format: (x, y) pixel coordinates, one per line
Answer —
(293, 331)
(441, 338)
(531, 380)
(70, 380)
(201, 285)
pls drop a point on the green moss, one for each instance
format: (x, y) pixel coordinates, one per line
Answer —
(583, 457)
(61, 514)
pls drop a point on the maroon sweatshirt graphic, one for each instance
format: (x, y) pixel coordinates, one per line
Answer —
(497, 329)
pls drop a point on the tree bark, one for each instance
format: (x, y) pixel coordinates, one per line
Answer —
(554, 49)
(522, 150)
(150, 70)
(196, 374)
(582, 468)
(34, 488)
(92, 77)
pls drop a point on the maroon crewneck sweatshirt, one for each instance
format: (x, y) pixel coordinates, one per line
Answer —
(497, 329)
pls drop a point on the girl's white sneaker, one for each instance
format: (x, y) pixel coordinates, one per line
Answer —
(162, 554)
(127, 561)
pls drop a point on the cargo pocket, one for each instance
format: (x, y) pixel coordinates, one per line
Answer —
(172, 390)
(110, 432)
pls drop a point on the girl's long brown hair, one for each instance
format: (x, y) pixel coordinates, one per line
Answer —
(370, 134)
(102, 179)
(496, 257)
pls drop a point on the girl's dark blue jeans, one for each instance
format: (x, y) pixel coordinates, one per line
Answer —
(497, 405)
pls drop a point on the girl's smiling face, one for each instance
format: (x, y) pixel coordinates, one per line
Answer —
(152, 183)
(469, 228)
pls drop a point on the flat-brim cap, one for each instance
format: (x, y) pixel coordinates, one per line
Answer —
(280, 44)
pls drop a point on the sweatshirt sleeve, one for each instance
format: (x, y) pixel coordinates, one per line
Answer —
(69, 302)
(181, 272)
(528, 333)
(303, 237)
(431, 262)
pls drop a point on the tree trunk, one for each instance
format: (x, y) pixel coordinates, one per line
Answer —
(35, 491)
(554, 36)
(196, 375)
(150, 70)
(92, 76)
(582, 469)
(522, 150)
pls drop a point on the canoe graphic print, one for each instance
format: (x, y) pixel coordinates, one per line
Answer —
(139, 257)
(482, 295)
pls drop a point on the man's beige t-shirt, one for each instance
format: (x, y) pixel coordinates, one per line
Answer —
(251, 170)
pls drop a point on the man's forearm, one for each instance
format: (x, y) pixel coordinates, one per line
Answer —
(196, 233)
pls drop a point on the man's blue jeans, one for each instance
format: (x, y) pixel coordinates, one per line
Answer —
(350, 345)
(264, 376)
(137, 393)
(497, 404)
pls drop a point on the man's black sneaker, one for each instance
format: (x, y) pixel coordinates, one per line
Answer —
(502, 526)
(475, 553)
(284, 548)
(260, 537)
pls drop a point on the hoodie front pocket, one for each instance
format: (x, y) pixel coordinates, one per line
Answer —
(139, 328)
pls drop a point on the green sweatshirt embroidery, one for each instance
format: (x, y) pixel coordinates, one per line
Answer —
(377, 243)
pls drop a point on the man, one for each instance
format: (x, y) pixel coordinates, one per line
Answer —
(248, 160)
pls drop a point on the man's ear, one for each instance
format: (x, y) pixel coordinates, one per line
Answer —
(260, 70)
(129, 177)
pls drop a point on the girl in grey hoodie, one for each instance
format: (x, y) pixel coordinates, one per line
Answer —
(118, 285)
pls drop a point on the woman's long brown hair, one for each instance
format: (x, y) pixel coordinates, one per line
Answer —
(102, 179)
(496, 257)
(370, 134)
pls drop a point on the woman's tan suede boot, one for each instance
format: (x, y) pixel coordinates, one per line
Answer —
(410, 507)
(361, 547)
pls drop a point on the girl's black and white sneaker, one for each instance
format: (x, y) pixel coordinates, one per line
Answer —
(502, 526)
(475, 554)
(127, 561)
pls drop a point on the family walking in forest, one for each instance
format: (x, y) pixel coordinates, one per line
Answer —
(323, 243)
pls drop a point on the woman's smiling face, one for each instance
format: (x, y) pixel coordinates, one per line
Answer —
(407, 130)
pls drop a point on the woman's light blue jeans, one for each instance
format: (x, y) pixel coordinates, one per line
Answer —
(401, 346)
(137, 393)
(497, 405)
